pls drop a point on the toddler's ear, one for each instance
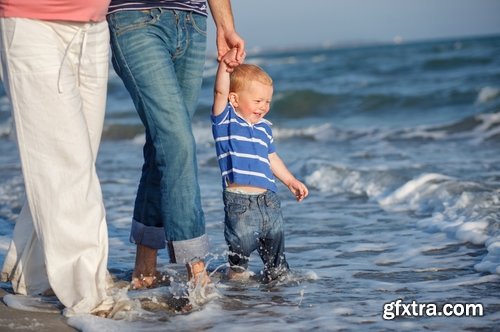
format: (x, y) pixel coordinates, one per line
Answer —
(233, 98)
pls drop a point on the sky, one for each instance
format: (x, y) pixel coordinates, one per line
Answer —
(268, 24)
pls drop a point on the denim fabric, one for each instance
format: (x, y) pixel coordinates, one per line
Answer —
(160, 54)
(255, 222)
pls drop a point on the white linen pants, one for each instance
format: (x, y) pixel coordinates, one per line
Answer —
(55, 74)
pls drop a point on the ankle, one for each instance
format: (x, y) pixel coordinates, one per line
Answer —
(145, 261)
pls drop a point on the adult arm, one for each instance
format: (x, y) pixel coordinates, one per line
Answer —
(227, 38)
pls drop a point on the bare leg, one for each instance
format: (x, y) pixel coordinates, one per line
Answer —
(145, 273)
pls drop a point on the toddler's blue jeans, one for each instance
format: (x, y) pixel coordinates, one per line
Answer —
(254, 222)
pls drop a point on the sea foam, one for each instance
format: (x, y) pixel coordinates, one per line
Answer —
(487, 93)
(464, 211)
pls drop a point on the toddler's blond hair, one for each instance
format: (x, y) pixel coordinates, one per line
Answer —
(244, 74)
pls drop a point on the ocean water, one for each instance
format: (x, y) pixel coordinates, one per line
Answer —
(399, 146)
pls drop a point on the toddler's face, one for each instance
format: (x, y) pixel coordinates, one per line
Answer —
(253, 103)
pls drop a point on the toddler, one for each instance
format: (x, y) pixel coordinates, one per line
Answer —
(249, 164)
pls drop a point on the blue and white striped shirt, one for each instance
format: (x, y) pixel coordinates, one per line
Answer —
(243, 150)
(197, 6)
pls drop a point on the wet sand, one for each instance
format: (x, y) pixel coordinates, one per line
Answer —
(20, 320)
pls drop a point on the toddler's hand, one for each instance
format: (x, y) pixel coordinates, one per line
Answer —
(230, 59)
(298, 189)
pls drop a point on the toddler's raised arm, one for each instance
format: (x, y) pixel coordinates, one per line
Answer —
(221, 87)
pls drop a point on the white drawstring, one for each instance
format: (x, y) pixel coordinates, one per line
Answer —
(83, 47)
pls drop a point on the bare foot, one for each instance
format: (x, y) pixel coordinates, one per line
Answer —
(142, 282)
(197, 273)
(145, 274)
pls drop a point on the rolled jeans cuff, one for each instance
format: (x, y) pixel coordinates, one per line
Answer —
(186, 250)
(149, 236)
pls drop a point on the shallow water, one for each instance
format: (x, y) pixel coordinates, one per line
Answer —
(398, 145)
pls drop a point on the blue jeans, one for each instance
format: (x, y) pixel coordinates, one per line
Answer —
(160, 54)
(255, 222)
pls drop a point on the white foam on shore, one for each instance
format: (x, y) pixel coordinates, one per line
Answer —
(30, 303)
(86, 323)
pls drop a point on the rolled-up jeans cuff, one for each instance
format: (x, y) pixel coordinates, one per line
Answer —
(186, 250)
(149, 236)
